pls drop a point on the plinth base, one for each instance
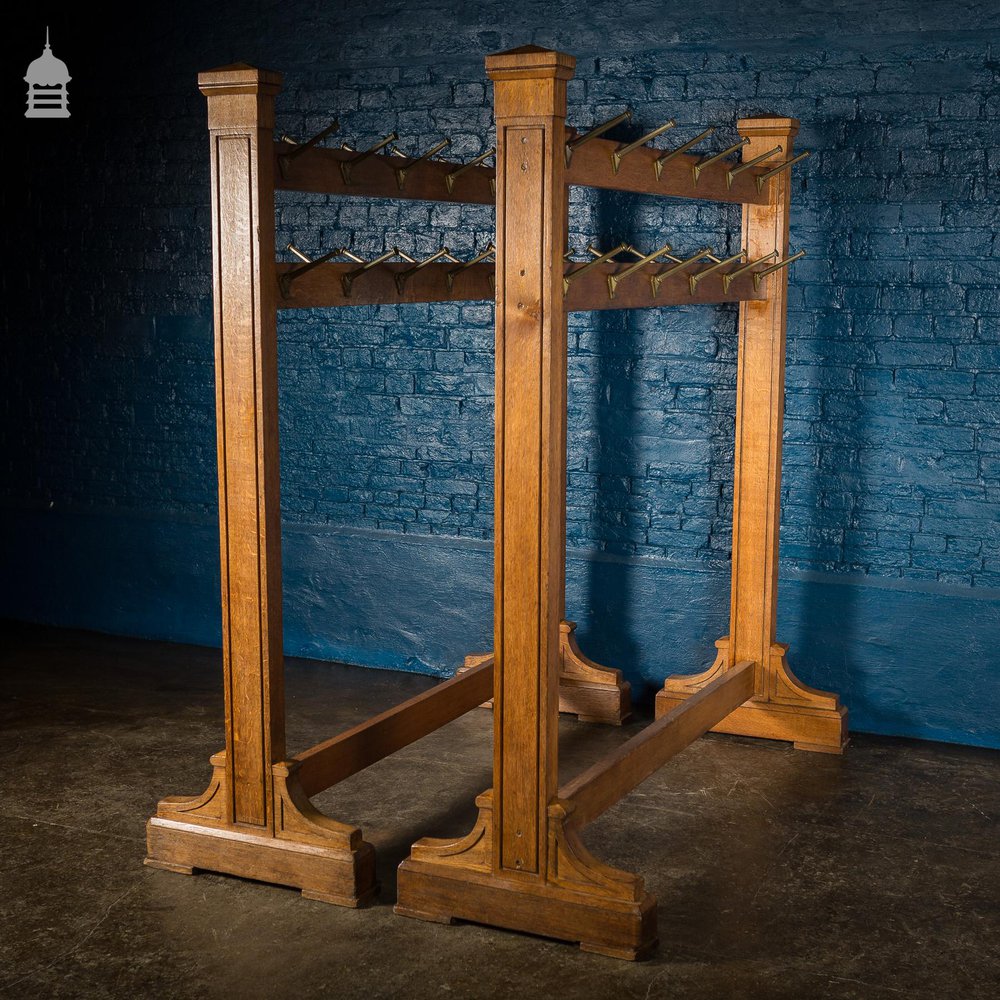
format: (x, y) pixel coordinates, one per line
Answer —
(807, 718)
(617, 929)
(346, 878)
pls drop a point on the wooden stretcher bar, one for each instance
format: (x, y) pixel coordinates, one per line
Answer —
(601, 786)
(370, 741)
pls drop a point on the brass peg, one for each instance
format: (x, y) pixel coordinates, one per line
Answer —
(660, 161)
(301, 147)
(760, 275)
(695, 278)
(622, 151)
(731, 276)
(597, 130)
(347, 166)
(403, 276)
(764, 178)
(433, 151)
(655, 280)
(599, 259)
(449, 179)
(451, 275)
(614, 279)
(747, 164)
(352, 256)
(348, 279)
(286, 279)
(708, 161)
(298, 253)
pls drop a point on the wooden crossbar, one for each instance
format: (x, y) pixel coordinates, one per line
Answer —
(323, 286)
(318, 171)
(602, 785)
(591, 166)
(338, 758)
(590, 290)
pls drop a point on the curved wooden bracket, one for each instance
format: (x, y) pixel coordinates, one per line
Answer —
(208, 808)
(578, 898)
(789, 709)
(327, 860)
(588, 690)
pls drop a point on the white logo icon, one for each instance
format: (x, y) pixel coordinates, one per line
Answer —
(47, 78)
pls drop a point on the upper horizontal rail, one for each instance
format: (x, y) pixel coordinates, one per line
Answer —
(322, 171)
(593, 165)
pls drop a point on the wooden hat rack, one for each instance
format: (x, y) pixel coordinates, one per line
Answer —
(523, 865)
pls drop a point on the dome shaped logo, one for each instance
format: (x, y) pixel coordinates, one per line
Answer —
(47, 77)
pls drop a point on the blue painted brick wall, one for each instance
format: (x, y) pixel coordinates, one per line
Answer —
(892, 430)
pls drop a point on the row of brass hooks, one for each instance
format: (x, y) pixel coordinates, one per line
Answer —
(295, 149)
(677, 265)
(400, 277)
(620, 152)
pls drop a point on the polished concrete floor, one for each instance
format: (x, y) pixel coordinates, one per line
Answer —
(779, 874)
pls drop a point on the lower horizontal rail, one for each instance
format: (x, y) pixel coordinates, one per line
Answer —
(338, 758)
(323, 285)
(602, 785)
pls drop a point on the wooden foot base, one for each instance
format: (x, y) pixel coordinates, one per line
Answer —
(579, 898)
(625, 930)
(346, 878)
(589, 691)
(809, 719)
(327, 860)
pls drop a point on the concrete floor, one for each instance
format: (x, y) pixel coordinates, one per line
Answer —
(778, 874)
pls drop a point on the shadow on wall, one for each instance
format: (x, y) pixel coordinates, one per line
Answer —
(609, 582)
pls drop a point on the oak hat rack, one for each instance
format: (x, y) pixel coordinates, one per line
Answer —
(523, 865)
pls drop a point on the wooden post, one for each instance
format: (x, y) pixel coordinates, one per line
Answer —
(247, 819)
(240, 121)
(530, 103)
(513, 869)
(782, 707)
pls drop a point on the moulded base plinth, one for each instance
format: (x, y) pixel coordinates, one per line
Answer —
(343, 877)
(616, 928)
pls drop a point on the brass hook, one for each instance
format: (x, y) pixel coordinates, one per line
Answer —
(655, 280)
(614, 279)
(597, 130)
(450, 276)
(403, 276)
(286, 279)
(747, 164)
(695, 278)
(449, 179)
(619, 154)
(347, 166)
(701, 164)
(764, 178)
(760, 275)
(300, 148)
(433, 151)
(660, 161)
(599, 259)
(731, 276)
(348, 279)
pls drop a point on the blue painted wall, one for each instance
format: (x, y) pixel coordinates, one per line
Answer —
(891, 520)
